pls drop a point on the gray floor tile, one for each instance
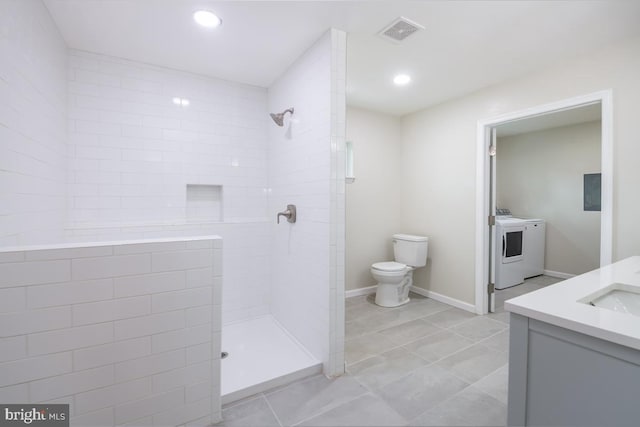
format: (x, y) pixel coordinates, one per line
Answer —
(438, 345)
(365, 346)
(305, 399)
(544, 280)
(495, 384)
(502, 296)
(499, 341)
(499, 303)
(449, 317)
(367, 410)
(474, 363)
(500, 316)
(362, 299)
(357, 328)
(516, 291)
(397, 315)
(409, 331)
(362, 311)
(426, 306)
(251, 412)
(499, 308)
(385, 368)
(385, 317)
(470, 407)
(478, 328)
(423, 389)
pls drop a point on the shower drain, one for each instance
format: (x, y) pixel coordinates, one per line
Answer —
(224, 355)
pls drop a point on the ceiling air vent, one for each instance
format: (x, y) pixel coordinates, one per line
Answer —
(400, 29)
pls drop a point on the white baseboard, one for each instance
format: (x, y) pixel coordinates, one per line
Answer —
(445, 299)
(558, 274)
(425, 293)
(360, 291)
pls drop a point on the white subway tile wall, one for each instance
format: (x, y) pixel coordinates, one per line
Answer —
(246, 263)
(132, 153)
(32, 125)
(134, 346)
(304, 170)
(335, 365)
(132, 150)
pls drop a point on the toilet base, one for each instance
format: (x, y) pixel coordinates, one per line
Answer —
(383, 300)
(394, 294)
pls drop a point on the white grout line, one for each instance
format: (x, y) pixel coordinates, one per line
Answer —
(337, 405)
(264, 396)
(241, 401)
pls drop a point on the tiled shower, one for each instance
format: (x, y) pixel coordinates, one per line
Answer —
(96, 148)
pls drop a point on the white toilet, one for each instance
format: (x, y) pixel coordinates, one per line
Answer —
(395, 277)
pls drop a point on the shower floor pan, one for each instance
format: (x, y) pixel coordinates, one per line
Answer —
(261, 355)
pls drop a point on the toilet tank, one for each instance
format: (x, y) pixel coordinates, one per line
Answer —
(410, 250)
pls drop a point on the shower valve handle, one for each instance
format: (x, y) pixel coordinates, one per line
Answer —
(290, 214)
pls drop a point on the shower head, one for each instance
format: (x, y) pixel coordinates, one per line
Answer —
(279, 117)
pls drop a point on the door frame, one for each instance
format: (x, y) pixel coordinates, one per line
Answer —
(483, 204)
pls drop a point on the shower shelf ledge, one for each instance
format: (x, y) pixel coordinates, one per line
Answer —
(86, 226)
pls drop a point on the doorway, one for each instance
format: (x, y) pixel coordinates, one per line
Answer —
(486, 176)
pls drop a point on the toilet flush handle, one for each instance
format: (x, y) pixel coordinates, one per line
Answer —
(290, 214)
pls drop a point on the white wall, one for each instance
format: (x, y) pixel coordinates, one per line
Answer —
(373, 200)
(132, 152)
(540, 175)
(32, 124)
(439, 151)
(302, 156)
(123, 333)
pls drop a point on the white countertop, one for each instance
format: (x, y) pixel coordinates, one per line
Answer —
(558, 304)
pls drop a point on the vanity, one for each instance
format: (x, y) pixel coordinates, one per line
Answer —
(574, 351)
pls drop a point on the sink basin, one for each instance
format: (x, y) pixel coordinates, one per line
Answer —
(619, 297)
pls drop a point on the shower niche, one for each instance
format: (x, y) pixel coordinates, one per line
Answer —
(204, 203)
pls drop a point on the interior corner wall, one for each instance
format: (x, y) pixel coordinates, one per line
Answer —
(33, 124)
(439, 160)
(540, 175)
(300, 174)
(372, 200)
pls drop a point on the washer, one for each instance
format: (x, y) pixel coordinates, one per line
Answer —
(534, 241)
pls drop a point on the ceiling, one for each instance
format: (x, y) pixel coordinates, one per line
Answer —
(466, 45)
(572, 116)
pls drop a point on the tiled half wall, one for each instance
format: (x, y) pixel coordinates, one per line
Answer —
(124, 332)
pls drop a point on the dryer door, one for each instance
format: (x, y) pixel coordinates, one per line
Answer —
(512, 239)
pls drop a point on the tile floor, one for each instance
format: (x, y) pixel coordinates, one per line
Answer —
(423, 364)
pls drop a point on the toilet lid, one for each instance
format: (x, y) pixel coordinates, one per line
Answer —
(389, 266)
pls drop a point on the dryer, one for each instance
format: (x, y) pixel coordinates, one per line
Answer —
(509, 255)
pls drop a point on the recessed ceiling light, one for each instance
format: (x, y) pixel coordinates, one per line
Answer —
(207, 19)
(402, 79)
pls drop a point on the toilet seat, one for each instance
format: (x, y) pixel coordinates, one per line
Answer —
(389, 266)
(395, 278)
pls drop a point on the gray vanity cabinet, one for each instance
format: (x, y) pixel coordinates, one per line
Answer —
(558, 377)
